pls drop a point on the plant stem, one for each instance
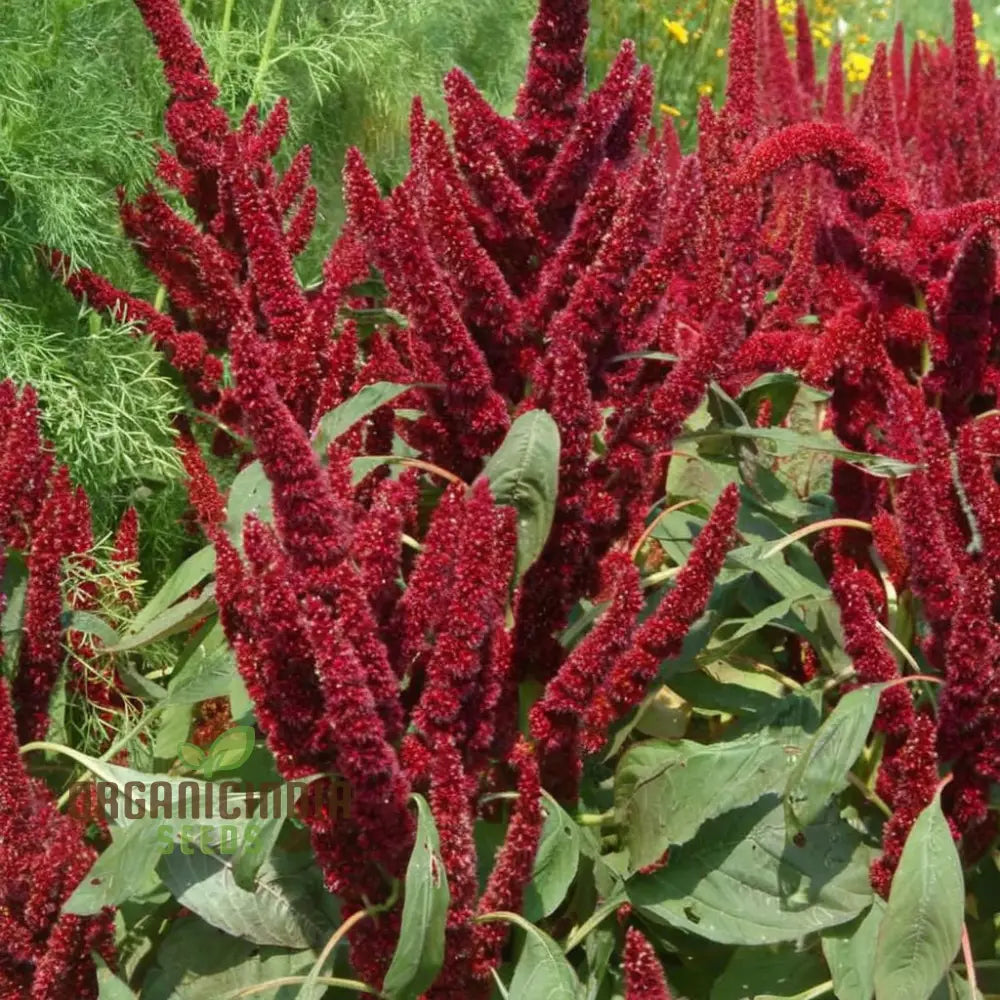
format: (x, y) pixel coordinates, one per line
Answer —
(596, 918)
(594, 819)
(970, 965)
(227, 20)
(270, 33)
(869, 794)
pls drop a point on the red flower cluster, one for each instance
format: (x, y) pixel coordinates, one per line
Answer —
(43, 517)
(44, 954)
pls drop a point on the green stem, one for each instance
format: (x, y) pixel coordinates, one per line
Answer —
(594, 819)
(270, 33)
(227, 20)
(871, 796)
(596, 918)
(342, 984)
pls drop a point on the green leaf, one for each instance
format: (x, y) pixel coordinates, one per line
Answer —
(190, 754)
(790, 442)
(822, 769)
(524, 474)
(922, 927)
(753, 973)
(189, 574)
(555, 863)
(231, 749)
(194, 961)
(109, 986)
(137, 683)
(120, 870)
(207, 672)
(342, 418)
(849, 951)
(249, 494)
(176, 618)
(420, 949)
(661, 797)
(740, 882)
(90, 624)
(542, 971)
(279, 911)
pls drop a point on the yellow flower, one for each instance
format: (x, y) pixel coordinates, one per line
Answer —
(857, 66)
(676, 30)
(863, 39)
(669, 109)
(705, 88)
(719, 53)
(976, 20)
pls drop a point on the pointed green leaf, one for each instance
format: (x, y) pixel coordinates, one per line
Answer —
(660, 798)
(555, 862)
(342, 418)
(740, 882)
(822, 769)
(120, 870)
(849, 951)
(420, 949)
(524, 474)
(922, 928)
(542, 971)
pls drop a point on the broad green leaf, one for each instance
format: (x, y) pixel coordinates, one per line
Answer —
(249, 494)
(542, 971)
(120, 870)
(420, 949)
(922, 927)
(194, 961)
(555, 862)
(280, 911)
(342, 418)
(190, 754)
(137, 683)
(822, 769)
(753, 973)
(740, 882)
(176, 618)
(849, 951)
(211, 676)
(665, 792)
(109, 986)
(524, 474)
(229, 750)
(90, 624)
(189, 574)
(790, 442)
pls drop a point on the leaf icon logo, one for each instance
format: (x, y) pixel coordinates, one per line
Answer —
(229, 751)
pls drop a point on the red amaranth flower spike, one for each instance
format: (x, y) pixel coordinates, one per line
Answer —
(660, 636)
(515, 861)
(805, 60)
(44, 953)
(203, 491)
(644, 978)
(555, 718)
(907, 780)
(553, 85)
(54, 538)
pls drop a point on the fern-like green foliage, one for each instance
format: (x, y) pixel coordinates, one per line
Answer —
(81, 106)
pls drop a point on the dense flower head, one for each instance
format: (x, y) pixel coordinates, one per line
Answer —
(44, 953)
(644, 978)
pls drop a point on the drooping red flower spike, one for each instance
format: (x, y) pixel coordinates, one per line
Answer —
(644, 978)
